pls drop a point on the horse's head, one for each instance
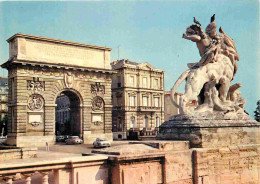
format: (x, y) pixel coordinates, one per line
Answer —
(194, 29)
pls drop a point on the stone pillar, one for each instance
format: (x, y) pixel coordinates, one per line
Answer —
(45, 178)
(28, 180)
(9, 181)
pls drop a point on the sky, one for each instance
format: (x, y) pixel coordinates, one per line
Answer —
(143, 31)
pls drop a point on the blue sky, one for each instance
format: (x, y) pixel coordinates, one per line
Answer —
(146, 31)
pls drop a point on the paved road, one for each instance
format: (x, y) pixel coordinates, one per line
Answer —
(77, 148)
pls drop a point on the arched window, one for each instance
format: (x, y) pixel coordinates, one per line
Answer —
(132, 123)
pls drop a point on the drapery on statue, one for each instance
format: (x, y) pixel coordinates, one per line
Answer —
(209, 80)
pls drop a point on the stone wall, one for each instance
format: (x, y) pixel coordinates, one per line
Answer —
(232, 165)
(151, 162)
(11, 153)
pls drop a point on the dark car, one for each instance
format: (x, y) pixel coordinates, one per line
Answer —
(60, 138)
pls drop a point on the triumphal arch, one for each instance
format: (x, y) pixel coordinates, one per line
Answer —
(40, 70)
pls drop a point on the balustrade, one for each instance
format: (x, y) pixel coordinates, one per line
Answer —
(26, 177)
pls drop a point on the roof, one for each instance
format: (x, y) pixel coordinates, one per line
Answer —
(41, 38)
(168, 93)
(127, 63)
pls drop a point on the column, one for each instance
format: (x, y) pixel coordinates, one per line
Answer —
(9, 181)
(27, 177)
(28, 180)
(45, 177)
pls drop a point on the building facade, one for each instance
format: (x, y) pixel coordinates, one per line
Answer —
(170, 109)
(39, 70)
(62, 114)
(3, 105)
(137, 98)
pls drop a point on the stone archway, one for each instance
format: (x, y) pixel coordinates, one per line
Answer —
(39, 69)
(68, 114)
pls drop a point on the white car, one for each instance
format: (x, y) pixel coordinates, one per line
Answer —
(3, 139)
(101, 142)
(73, 140)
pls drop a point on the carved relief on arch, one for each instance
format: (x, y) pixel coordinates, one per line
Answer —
(97, 88)
(97, 103)
(35, 102)
(68, 79)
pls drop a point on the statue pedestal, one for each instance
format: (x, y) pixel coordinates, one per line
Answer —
(213, 132)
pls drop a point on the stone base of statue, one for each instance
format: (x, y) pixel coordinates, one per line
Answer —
(212, 130)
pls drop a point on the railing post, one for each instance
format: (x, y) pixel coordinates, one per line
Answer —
(9, 180)
(28, 180)
(45, 178)
(28, 177)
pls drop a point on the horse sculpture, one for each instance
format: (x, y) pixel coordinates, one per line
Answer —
(209, 80)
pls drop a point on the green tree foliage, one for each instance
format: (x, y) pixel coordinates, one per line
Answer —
(257, 111)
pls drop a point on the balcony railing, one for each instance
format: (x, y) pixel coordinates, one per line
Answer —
(127, 108)
(131, 108)
(139, 108)
(148, 108)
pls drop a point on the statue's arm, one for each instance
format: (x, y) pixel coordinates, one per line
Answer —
(194, 38)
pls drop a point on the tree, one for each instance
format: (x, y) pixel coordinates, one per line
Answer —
(257, 111)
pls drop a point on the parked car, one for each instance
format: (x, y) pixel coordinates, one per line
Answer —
(3, 139)
(65, 137)
(101, 142)
(74, 140)
(60, 138)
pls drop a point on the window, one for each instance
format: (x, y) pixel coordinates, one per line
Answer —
(119, 101)
(132, 100)
(119, 124)
(145, 100)
(144, 82)
(157, 119)
(146, 121)
(118, 81)
(12, 86)
(131, 81)
(12, 120)
(132, 124)
(156, 83)
(156, 101)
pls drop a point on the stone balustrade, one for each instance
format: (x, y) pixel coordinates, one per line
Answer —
(52, 170)
(26, 177)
